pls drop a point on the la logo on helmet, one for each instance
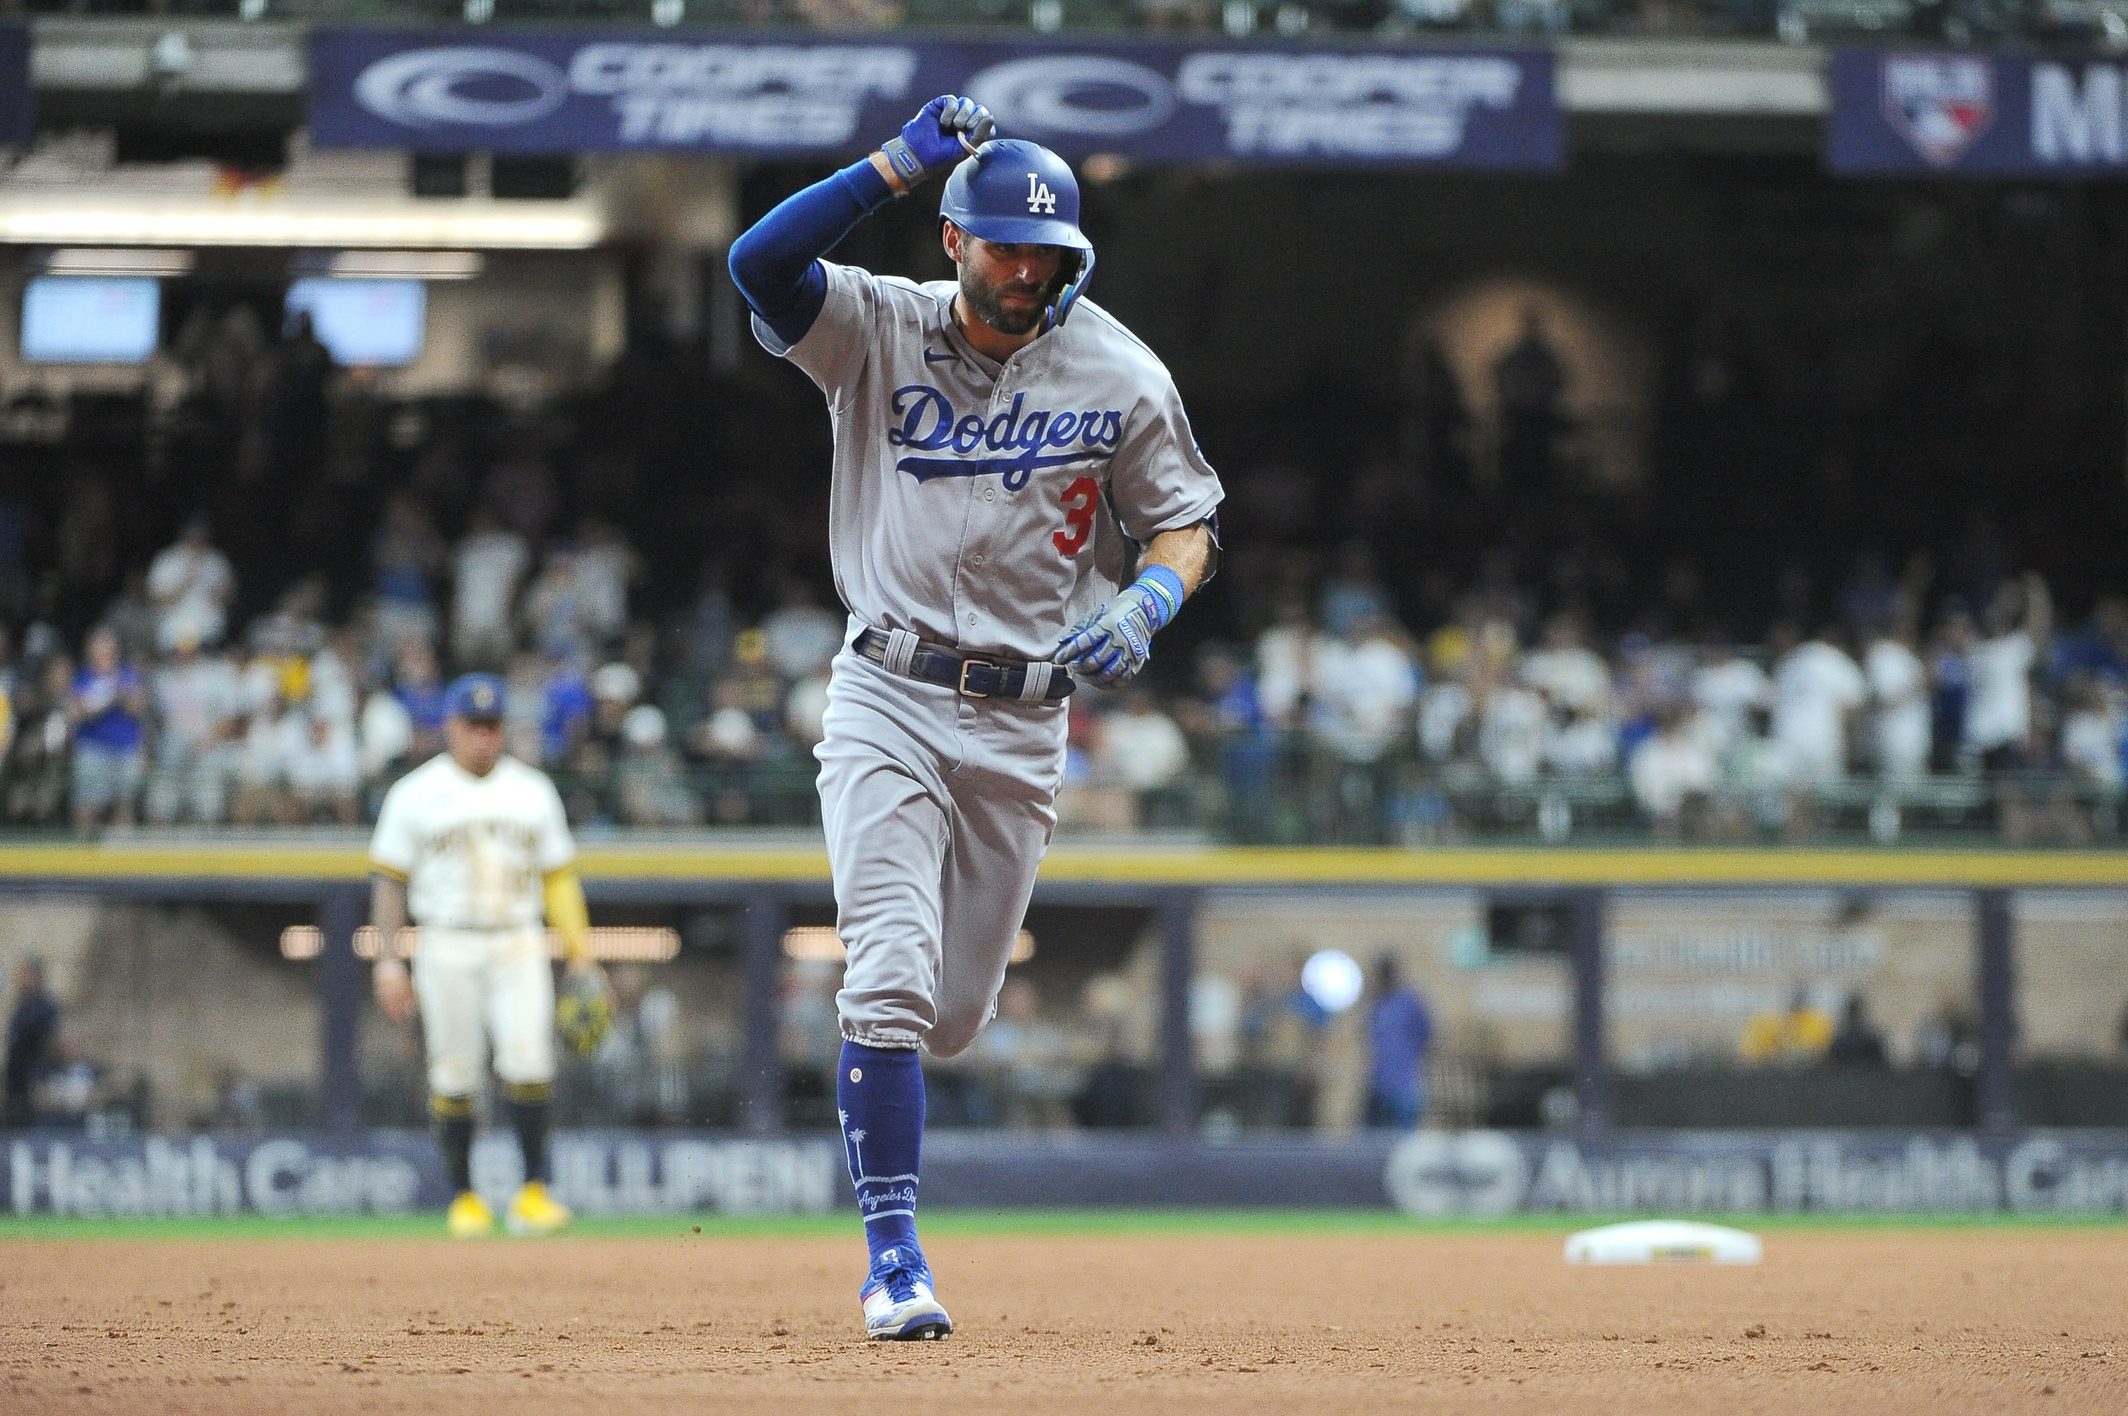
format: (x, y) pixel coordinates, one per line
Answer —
(1039, 197)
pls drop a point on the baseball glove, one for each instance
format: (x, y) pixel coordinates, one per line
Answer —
(583, 1010)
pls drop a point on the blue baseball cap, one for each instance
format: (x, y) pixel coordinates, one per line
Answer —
(479, 697)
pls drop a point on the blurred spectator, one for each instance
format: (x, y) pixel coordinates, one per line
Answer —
(190, 584)
(1353, 593)
(615, 687)
(336, 679)
(652, 789)
(1950, 689)
(106, 710)
(406, 555)
(324, 771)
(37, 764)
(805, 710)
(1364, 689)
(32, 1041)
(487, 568)
(1229, 727)
(800, 635)
(1286, 655)
(1857, 1041)
(1899, 705)
(1800, 1033)
(1999, 723)
(196, 698)
(1446, 724)
(640, 1060)
(132, 616)
(419, 688)
(2036, 798)
(607, 568)
(1565, 670)
(1030, 1060)
(292, 419)
(1729, 686)
(385, 734)
(558, 614)
(2094, 733)
(1759, 779)
(1948, 1039)
(272, 740)
(1399, 1035)
(237, 1104)
(1511, 726)
(1673, 774)
(1817, 690)
(1141, 747)
(1529, 383)
(569, 708)
(1580, 744)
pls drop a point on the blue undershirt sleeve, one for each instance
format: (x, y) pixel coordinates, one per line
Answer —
(776, 262)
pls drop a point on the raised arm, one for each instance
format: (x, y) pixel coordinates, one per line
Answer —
(776, 262)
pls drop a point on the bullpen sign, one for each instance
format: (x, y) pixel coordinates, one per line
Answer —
(1978, 115)
(637, 91)
(17, 108)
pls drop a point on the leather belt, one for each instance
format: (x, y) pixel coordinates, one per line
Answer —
(972, 676)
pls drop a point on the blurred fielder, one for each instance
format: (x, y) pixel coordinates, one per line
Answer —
(473, 843)
(998, 473)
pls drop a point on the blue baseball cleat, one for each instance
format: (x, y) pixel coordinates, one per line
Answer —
(898, 1303)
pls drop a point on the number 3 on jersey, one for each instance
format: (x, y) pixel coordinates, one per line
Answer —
(1080, 499)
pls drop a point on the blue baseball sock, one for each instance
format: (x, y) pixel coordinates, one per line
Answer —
(879, 1096)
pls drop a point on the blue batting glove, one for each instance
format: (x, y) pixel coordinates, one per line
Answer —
(1112, 644)
(934, 137)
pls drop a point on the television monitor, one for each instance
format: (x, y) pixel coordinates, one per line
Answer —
(82, 319)
(364, 323)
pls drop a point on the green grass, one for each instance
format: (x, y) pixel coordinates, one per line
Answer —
(947, 1224)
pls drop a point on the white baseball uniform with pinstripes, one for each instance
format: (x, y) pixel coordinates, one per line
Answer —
(475, 852)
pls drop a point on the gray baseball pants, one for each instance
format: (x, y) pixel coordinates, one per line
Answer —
(937, 810)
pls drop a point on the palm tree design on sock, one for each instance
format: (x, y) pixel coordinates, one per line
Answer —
(853, 1143)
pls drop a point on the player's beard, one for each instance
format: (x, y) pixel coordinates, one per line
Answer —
(983, 298)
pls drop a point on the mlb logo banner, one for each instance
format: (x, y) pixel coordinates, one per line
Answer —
(1977, 115)
(17, 106)
(1940, 103)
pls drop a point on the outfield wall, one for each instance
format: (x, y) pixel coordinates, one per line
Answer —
(1427, 1174)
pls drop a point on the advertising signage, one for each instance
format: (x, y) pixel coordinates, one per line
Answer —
(1978, 115)
(633, 91)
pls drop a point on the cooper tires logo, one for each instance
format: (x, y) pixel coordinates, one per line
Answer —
(467, 85)
(1084, 94)
(1470, 1172)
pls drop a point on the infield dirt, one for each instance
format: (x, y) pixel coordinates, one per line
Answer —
(1936, 1321)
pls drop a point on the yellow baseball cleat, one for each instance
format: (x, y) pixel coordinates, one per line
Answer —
(470, 1217)
(534, 1211)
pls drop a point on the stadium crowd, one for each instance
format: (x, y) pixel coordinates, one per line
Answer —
(234, 597)
(1337, 722)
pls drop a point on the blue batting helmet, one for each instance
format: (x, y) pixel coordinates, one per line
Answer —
(1020, 193)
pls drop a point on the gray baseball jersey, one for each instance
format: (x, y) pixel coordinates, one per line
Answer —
(985, 506)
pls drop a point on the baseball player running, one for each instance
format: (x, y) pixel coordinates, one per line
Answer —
(1006, 455)
(471, 842)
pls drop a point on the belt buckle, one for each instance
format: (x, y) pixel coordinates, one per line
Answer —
(966, 665)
